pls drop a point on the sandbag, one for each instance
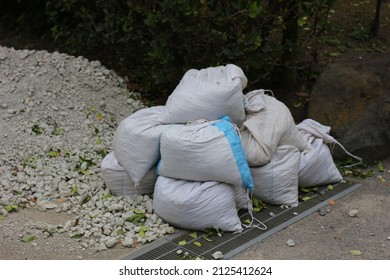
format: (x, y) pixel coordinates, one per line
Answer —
(209, 93)
(277, 182)
(120, 183)
(204, 151)
(314, 128)
(136, 141)
(268, 124)
(196, 205)
(316, 165)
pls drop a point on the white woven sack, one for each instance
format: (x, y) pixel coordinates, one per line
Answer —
(120, 183)
(318, 130)
(277, 182)
(137, 141)
(196, 205)
(316, 165)
(204, 151)
(209, 93)
(268, 124)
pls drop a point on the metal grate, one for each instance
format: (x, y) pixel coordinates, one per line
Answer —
(231, 244)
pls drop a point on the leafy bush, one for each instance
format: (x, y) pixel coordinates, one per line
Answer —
(155, 42)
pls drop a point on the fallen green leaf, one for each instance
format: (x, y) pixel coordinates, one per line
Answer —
(143, 228)
(257, 204)
(193, 235)
(85, 199)
(99, 116)
(356, 252)
(182, 243)
(306, 198)
(53, 153)
(330, 187)
(74, 189)
(136, 218)
(37, 129)
(213, 231)
(28, 238)
(77, 236)
(138, 211)
(334, 54)
(105, 196)
(198, 244)
(303, 189)
(380, 167)
(11, 207)
(58, 131)
(206, 238)
(142, 234)
(297, 104)
(247, 221)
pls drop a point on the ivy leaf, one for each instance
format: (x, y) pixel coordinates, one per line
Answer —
(182, 243)
(28, 238)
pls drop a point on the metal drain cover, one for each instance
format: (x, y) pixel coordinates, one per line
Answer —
(231, 244)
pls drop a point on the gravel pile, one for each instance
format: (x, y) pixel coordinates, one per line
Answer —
(58, 115)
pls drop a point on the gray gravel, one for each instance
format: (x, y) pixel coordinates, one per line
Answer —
(58, 115)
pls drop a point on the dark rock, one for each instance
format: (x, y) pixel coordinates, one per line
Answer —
(353, 97)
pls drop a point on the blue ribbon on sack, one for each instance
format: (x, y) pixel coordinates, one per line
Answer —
(225, 125)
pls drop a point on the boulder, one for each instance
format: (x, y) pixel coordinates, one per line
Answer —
(352, 96)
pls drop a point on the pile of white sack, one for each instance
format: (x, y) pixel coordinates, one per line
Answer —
(211, 148)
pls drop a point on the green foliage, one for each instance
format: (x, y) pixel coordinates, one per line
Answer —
(155, 42)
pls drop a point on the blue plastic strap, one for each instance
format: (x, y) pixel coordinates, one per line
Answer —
(225, 125)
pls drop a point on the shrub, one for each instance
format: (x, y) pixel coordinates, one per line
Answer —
(155, 42)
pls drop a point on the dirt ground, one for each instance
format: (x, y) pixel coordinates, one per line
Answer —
(332, 236)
